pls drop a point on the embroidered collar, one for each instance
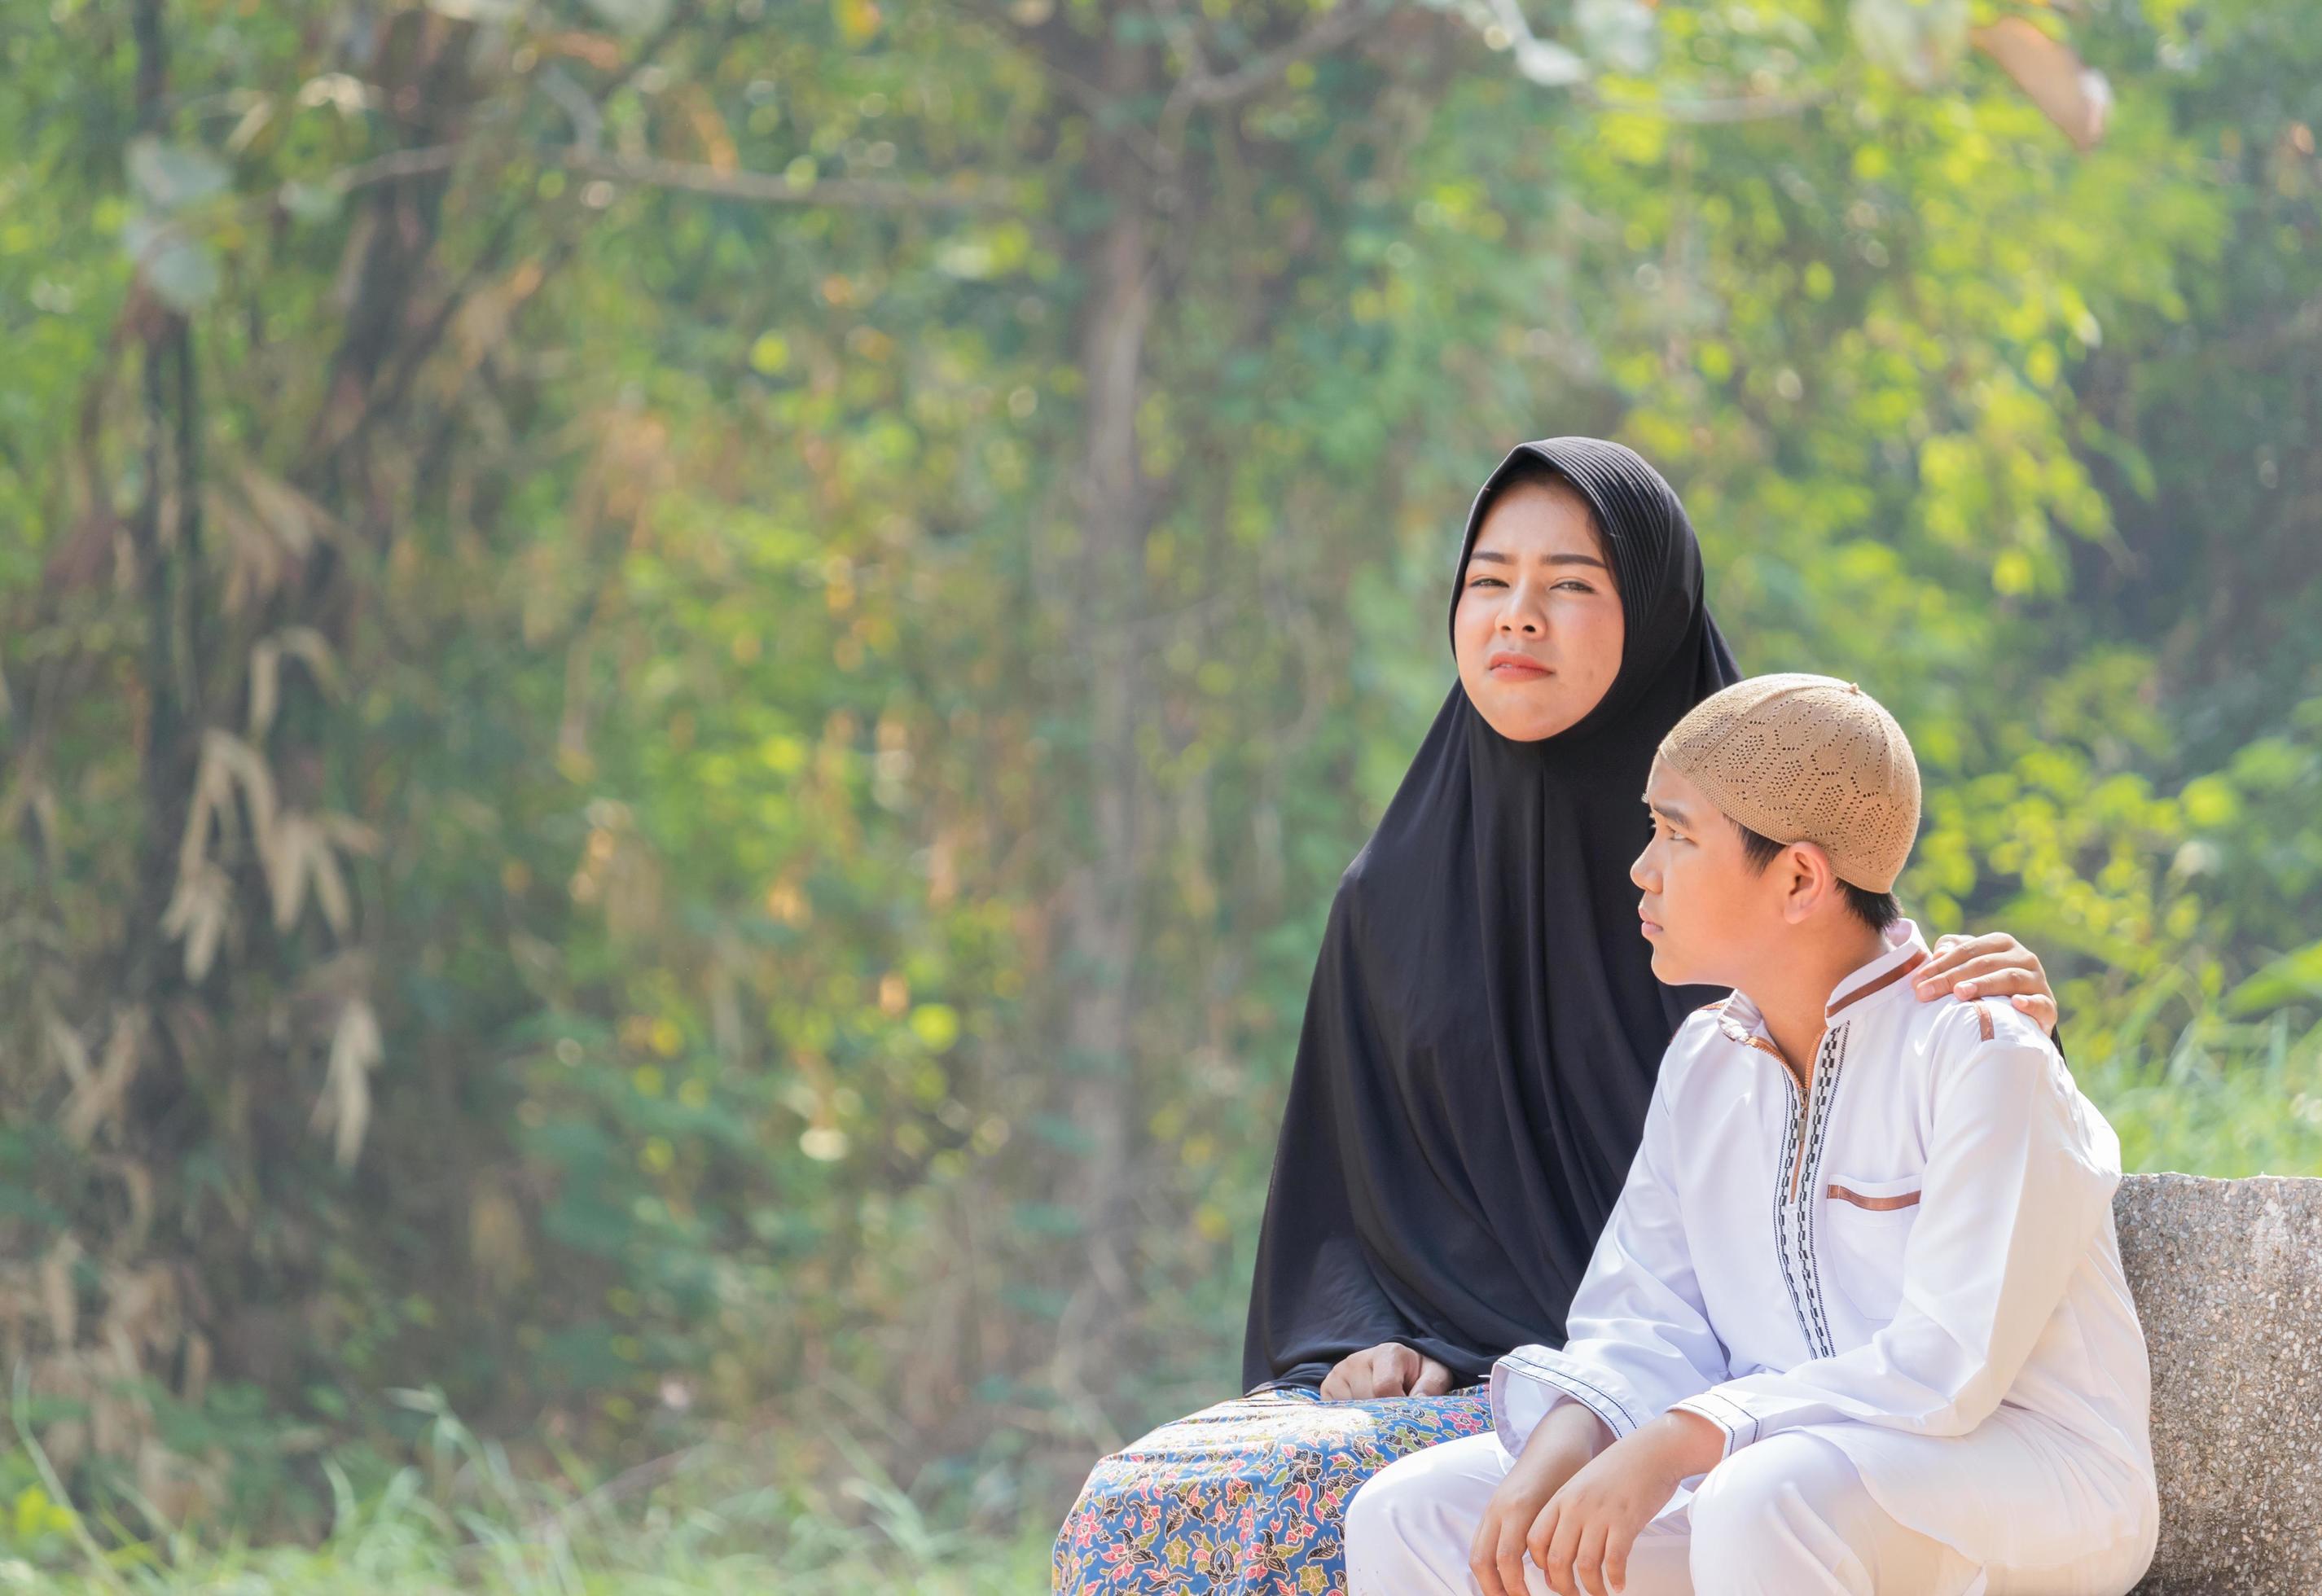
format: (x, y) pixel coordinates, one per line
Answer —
(1907, 950)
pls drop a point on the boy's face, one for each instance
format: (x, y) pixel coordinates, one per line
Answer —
(1705, 908)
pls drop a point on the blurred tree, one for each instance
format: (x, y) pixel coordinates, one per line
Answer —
(683, 684)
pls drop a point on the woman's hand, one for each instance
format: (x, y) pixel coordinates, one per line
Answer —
(1581, 1540)
(1559, 1448)
(1390, 1369)
(1994, 965)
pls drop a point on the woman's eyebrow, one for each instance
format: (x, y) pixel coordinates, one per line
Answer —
(1496, 558)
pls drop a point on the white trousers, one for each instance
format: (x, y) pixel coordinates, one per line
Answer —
(1788, 1517)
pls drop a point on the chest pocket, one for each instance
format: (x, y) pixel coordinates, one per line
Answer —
(1866, 1224)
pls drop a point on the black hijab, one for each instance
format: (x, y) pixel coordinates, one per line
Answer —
(1485, 1027)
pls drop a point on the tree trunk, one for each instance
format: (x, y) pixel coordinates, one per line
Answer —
(1104, 898)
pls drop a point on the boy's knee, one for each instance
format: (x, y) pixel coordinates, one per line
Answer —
(1400, 1524)
(1788, 1510)
(1737, 1507)
(1759, 1500)
(1381, 1512)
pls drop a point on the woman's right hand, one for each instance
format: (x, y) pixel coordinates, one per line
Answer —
(1390, 1369)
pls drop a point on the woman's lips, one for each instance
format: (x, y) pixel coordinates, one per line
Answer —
(1649, 927)
(1510, 667)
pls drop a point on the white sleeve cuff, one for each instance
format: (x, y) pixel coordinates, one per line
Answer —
(1740, 1426)
(1532, 1381)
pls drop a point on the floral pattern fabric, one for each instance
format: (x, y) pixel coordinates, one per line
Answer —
(1245, 1499)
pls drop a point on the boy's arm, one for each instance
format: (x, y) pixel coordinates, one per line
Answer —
(2019, 1179)
(1638, 1338)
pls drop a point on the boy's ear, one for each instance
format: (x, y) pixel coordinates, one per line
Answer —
(1812, 880)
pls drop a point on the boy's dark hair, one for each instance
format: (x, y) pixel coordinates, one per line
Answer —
(1877, 910)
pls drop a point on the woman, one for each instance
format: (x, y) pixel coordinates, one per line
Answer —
(1479, 1046)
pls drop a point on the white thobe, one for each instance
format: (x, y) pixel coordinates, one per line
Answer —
(1911, 1257)
(1913, 1254)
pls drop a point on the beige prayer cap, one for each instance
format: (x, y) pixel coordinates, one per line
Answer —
(1807, 759)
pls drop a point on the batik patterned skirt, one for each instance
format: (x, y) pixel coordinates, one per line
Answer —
(1245, 1499)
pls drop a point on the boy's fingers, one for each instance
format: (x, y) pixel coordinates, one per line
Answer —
(1616, 1561)
(1511, 1560)
(1484, 1571)
(1542, 1535)
(1561, 1546)
(1588, 1563)
(1484, 1556)
(1434, 1379)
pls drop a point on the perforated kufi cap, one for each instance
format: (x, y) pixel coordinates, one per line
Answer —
(1807, 759)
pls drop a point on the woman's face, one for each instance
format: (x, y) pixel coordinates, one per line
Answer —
(1538, 632)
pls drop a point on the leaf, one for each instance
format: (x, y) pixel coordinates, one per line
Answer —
(68, 1050)
(58, 1297)
(343, 91)
(480, 11)
(227, 763)
(310, 202)
(2075, 97)
(100, 1095)
(633, 17)
(265, 686)
(1545, 61)
(2293, 976)
(1918, 40)
(182, 271)
(292, 517)
(345, 1107)
(1623, 34)
(286, 853)
(167, 176)
(935, 1025)
(305, 643)
(199, 910)
(330, 885)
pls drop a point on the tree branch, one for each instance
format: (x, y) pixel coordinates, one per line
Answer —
(1349, 22)
(754, 187)
(772, 188)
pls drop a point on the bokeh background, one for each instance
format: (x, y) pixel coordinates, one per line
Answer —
(681, 684)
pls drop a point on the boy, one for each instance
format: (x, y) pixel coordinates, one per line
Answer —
(1861, 1292)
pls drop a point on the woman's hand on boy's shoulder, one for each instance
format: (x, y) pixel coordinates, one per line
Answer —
(1390, 1369)
(1993, 965)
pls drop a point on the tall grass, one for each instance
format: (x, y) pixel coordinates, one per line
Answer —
(820, 1518)
(464, 1519)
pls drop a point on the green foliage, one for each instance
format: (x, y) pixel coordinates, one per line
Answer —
(679, 690)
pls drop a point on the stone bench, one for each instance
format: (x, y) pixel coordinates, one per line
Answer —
(2228, 1282)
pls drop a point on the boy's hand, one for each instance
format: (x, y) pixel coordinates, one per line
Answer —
(1558, 1449)
(1992, 966)
(1390, 1369)
(1582, 1539)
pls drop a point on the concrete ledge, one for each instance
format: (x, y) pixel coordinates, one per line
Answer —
(2228, 1281)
